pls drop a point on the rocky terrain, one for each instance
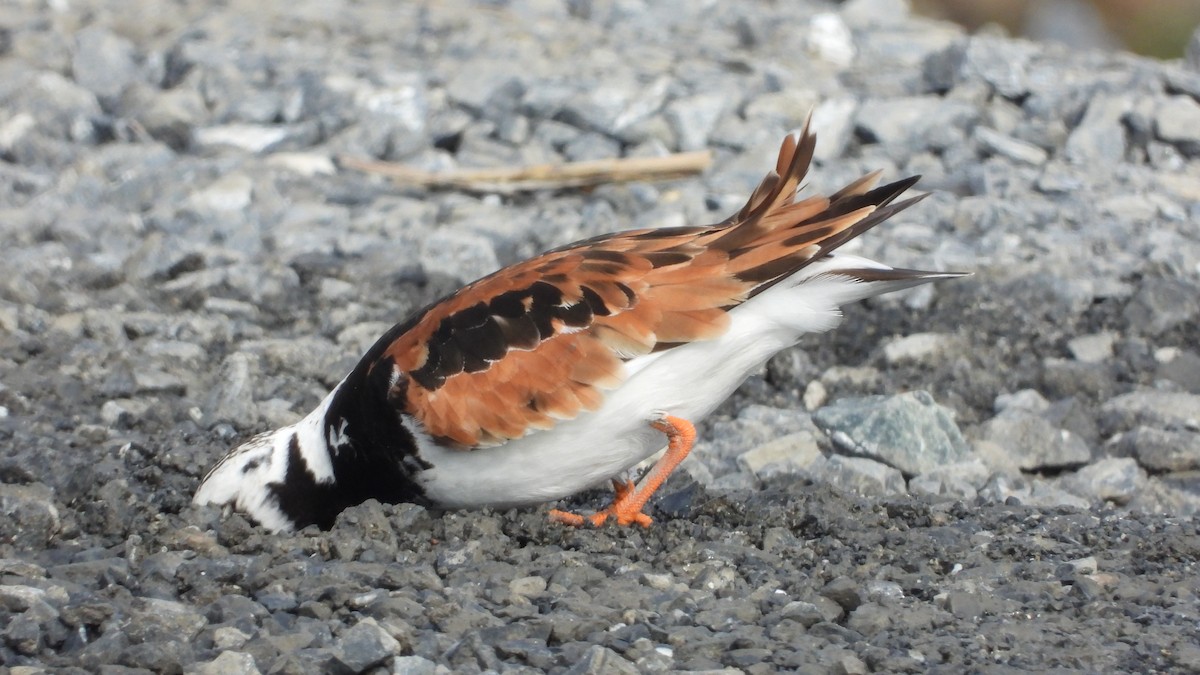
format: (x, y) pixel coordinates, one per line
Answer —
(996, 473)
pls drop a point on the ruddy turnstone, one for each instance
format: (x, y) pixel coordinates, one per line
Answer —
(566, 370)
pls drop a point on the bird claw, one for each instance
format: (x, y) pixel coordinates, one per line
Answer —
(598, 518)
(620, 509)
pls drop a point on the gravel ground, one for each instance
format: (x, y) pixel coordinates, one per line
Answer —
(998, 473)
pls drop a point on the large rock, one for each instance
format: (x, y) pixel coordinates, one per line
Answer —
(1035, 442)
(908, 431)
(1159, 409)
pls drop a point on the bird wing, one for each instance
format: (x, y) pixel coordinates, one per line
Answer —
(542, 340)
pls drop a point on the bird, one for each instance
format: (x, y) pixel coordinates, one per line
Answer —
(565, 371)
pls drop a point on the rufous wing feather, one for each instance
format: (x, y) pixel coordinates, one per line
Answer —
(543, 340)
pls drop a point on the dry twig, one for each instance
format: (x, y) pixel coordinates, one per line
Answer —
(541, 176)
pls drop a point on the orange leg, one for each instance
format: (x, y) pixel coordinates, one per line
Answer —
(629, 500)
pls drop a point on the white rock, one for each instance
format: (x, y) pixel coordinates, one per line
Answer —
(833, 122)
(248, 137)
(14, 129)
(1026, 399)
(1095, 348)
(228, 193)
(917, 348)
(830, 39)
(815, 395)
(303, 163)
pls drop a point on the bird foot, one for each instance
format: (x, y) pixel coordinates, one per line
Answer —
(622, 509)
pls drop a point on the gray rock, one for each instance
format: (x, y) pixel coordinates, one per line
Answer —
(487, 88)
(16, 598)
(1035, 442)
(366, 645)
(1162, 304)
(755, 426)
(594, 109)
(416, 665)
(156, 621)
(24, 635)
(782, 109)
(1179, 366)
(1007, 489)
(399, 101)
(1113, 479)
(171, 115)
(458, 253)
(63, 110)
(104, 63)
(845, 592)
(514, 129)
(591, 146)
(309, 660)
(694, 118)
(229, 663)
(849, 664)
(960, 480)
(1177, 121)
(232, 399)
(905, 126)
(599, 660)
(810, 613)
(30, 518)
(908, 431)
(881, 591)
(788, 454)
(1100, 135)
(1059, 178)
(860, 475)
(1162, 449)
(996, 143)
(153, 381)
(1002, 64)
(228, 638)
(527, 586)
(1067, 378)
(1158, 409)
(1045, 494)
(643, 106)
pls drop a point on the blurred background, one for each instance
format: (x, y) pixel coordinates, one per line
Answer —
(1159, 28)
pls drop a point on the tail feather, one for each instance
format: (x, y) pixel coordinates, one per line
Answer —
(774, 236)
(893, 279)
